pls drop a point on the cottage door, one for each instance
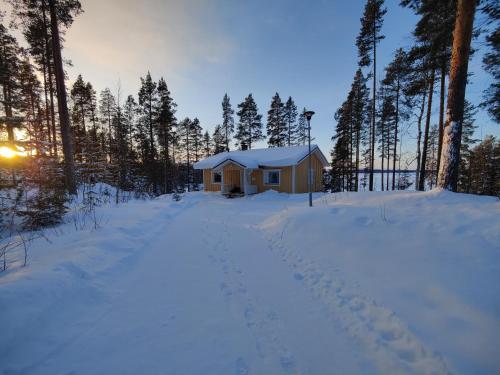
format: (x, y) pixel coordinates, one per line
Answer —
(233, 179)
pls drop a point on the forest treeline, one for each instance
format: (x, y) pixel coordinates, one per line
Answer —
(377, 112)
(71, 137)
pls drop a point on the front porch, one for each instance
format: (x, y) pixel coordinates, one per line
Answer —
(235, 179)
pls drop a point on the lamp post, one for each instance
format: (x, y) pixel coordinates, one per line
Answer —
(308, 115)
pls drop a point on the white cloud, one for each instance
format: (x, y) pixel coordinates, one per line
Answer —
(126, 38)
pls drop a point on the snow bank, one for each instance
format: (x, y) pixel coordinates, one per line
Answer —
(432, 259)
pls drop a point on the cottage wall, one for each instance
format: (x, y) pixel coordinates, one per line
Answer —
(285, 185)
(301, 175)
(207, 181)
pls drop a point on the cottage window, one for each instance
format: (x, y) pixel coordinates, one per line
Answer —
(272, 177)
(216, 177)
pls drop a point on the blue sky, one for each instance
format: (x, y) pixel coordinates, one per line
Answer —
(204, 49)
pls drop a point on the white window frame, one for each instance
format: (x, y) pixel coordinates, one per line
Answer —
(213, 178)
(266, 177)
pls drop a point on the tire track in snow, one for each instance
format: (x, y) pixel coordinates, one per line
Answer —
(260, 321)
(393, 347)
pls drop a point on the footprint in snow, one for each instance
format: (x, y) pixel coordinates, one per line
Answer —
(287, 363)
(337, 211)
(241, 367)
(363, 220)
(298, 277)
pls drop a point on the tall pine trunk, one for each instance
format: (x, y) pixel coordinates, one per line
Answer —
(372, 141)
(47, 114)
(421, 182)
(166, 141)
(50, 75)
(382, 159)
(187, 155)
(441, 112)
(358, 141)
(69, 167)
(452, 134)
(8, 113)
(419, 138)
(396, 124)
(388, 138)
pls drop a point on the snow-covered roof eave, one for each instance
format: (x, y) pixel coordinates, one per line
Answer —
(267, 157)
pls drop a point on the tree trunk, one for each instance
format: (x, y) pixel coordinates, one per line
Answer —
(69, 166)
(421, 182)
(358, 135)
(419, 137)
(8, 114)
(382, 159)
(47, 114)
(388, 153)
(51, 82)
(372, 141)
(187, 155)
(452, 134)
(395, 139)
(441, 112)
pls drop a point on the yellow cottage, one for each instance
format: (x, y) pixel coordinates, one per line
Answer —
(253, 171)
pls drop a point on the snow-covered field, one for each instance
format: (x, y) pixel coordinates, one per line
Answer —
(362, 283)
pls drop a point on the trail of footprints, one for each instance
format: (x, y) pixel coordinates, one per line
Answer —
(260, 321)
(394, 347)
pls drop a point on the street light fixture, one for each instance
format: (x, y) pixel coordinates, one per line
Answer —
(308, 115)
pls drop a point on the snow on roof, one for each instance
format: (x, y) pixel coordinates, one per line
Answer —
(266, 157)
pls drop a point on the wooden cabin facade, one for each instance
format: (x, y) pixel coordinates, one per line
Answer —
(255, 171)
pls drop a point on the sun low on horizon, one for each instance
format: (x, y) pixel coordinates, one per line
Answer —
(9, 153)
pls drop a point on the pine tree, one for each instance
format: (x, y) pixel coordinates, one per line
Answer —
(63, 12)
(434, 34)
(80, 98)
(33, 17)
(386, 122)
(290, 120)
(468, 141)
(46, 204)
(207, 144)
(367, 40)
(148, 104)
(250, 123)
(352, 123)
(360, 119)
(29, 104)
(197, 150)
(396, 75)
(107, 110)
(301, 129)
(484, 167)
(491, 59)
(227, 120)
(9, 66)
(130, 117)
(462, 35)
(164, 127)
(276, 128)
(186, 143)
(197, 139)
(218, 140)
(342, 166)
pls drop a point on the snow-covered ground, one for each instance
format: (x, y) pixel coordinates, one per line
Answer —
(362, 283)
